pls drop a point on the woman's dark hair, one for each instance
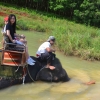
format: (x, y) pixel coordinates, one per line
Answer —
(9, 18)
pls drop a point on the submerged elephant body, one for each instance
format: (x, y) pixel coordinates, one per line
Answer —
(56, 75)
(39, 72)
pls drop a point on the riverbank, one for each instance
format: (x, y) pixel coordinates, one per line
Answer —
(71, 38)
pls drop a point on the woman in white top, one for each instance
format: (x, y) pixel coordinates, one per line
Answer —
(45, 52)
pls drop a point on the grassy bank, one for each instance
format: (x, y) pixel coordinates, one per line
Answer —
(71, 38)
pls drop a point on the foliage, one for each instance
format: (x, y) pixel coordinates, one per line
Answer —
(89, 12)
(82, 11)
(71, 38)
(1, 22)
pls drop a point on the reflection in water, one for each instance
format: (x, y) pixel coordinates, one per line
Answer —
(80, 71)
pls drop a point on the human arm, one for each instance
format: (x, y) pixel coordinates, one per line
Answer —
(8, 34)
(8, 30)
(50, 49)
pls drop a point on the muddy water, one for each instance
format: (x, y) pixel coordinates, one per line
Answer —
(80, 71)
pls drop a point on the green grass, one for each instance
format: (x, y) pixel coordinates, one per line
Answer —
(71, 38)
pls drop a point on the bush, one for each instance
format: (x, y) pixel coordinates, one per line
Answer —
(71, 38)
(1, 22)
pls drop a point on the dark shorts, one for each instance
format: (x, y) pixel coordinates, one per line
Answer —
(47, 57)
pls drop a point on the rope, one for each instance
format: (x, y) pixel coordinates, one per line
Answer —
(51, 76)
(17, 69)
(41, 70)
(24, 74)
(37, 73)
(29, 73)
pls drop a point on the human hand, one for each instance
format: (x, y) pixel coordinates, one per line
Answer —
(51, 67)
(14, 41)
(53, 50)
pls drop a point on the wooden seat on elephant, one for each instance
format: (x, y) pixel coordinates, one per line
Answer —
(13, 55)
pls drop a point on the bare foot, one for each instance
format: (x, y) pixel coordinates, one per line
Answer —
(51, 67)
(89, 83)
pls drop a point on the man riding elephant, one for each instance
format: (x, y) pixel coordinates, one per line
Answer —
(45, 53)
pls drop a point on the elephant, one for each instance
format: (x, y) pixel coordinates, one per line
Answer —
(38, 72)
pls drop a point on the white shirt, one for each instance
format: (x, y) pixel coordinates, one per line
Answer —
(4, 30)
(42, 48)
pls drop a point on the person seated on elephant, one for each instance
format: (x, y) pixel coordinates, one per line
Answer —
(3, 31)
(21, 40)
(45, 53)
(11, 34)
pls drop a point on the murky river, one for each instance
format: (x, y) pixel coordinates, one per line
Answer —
(80, 72)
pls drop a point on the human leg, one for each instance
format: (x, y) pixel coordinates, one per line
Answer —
(29, 60)
(47, 57)
(3, 41)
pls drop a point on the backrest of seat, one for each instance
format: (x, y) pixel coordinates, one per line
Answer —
(12, 54)
(13, 58)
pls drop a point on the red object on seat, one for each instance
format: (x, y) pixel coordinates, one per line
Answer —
(37, 55)
(6, 19)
